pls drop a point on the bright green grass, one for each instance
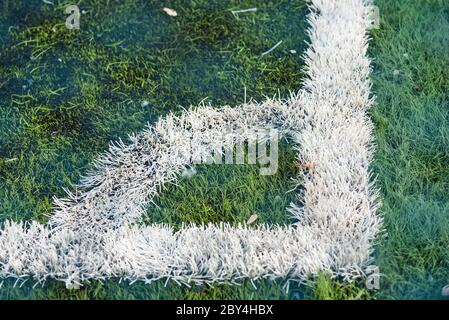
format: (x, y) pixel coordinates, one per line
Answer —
(130, 52)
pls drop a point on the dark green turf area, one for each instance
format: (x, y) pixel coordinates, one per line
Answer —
(64, 94)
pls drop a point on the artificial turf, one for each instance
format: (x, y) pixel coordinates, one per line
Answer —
(410, 55)
(65, 94)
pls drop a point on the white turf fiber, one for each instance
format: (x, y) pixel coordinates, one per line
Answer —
(96, 233)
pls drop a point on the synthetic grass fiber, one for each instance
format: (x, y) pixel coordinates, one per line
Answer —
(48, 138)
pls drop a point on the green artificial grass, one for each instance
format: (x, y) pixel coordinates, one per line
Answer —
(68, 93)
(412, 134)
(228, 193)
(65, 94)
